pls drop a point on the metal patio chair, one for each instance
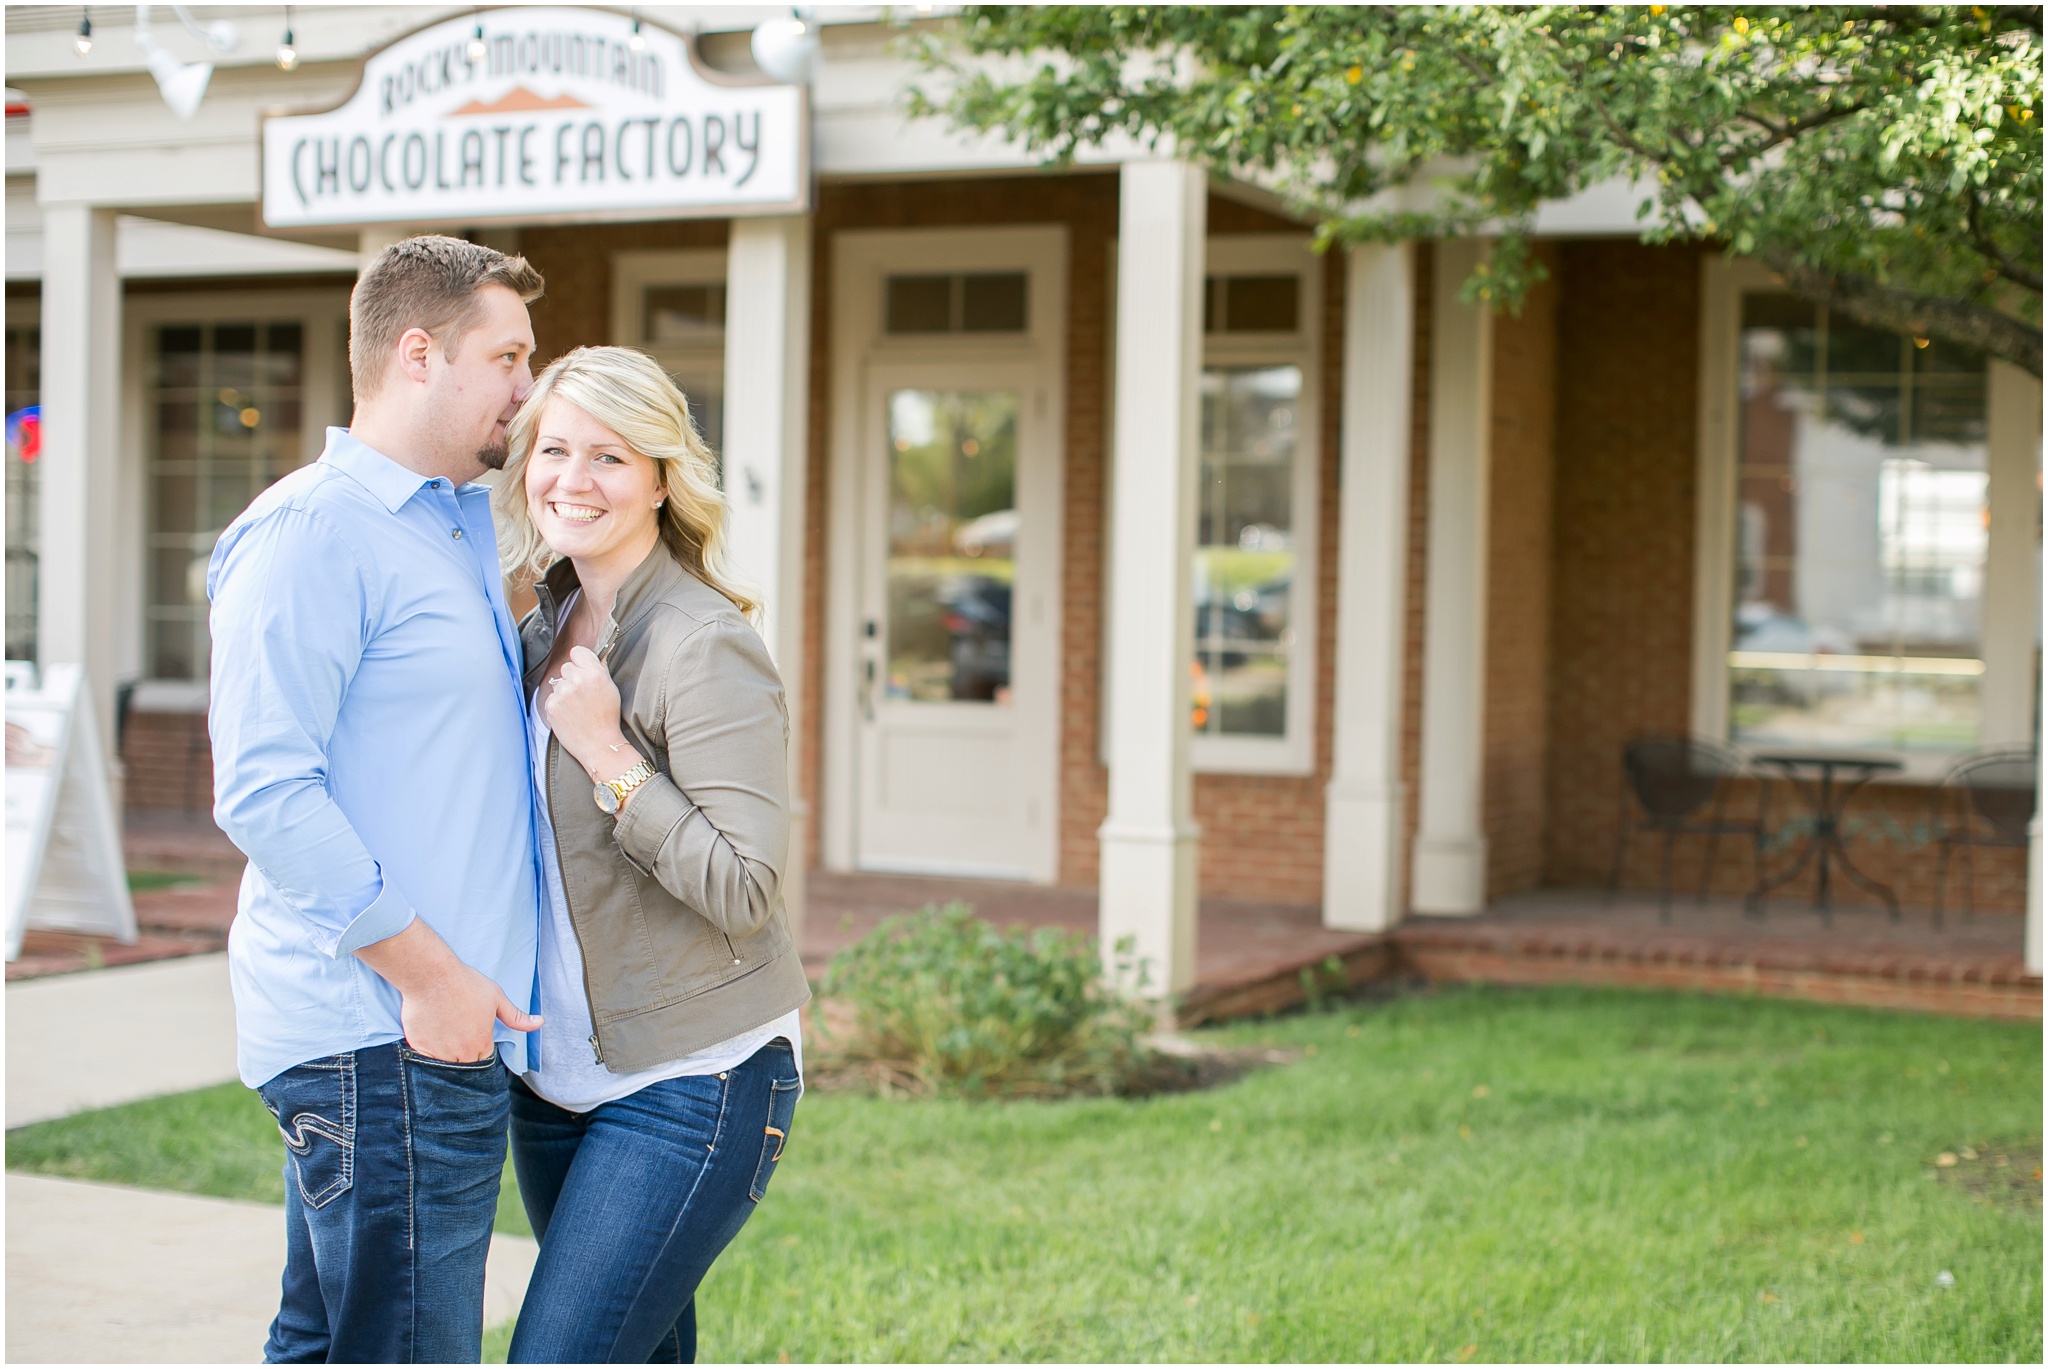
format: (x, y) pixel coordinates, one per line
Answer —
(1985, 800)
(1672, 778)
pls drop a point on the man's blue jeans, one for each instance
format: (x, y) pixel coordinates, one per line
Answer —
(391, 1173)
(633, 1200)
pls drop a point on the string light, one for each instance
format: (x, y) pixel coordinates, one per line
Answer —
(477, 50)
(287, 53)
(82, 44)
(636, 42)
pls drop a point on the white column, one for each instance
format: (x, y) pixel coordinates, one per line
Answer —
(1450, 848)
(2012, 607)
(767, 391)
(78, 507)
(1364, 803)
(1149, 839)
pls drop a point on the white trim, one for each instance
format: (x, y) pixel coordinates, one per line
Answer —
(324, 391)
(2012, 561)
(1722, 281)
(860, 260)
(633, 272)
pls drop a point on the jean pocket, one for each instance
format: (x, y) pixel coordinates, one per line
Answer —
(420, 1058)
(782, 1096)
(314, 1106)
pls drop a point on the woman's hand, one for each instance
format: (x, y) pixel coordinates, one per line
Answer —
(582, 710)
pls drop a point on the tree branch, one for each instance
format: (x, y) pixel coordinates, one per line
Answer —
(1907, 311)
(2016, 272)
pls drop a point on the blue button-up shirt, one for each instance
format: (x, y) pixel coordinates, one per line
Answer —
(369, 750)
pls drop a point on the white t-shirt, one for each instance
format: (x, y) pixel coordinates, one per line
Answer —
(569, 1075)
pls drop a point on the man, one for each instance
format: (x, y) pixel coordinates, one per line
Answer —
(370, 758)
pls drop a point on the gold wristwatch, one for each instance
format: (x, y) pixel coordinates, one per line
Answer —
(611, 794)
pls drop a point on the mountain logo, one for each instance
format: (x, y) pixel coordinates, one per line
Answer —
(518, 100)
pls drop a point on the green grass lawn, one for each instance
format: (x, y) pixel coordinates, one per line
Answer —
(1485, 1175)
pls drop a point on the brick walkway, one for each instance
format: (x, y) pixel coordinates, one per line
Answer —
(1251, 956)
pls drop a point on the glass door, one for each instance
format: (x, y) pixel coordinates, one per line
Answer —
(956, 595)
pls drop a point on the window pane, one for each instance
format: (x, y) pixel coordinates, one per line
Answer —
(987, 302)
(1244, 550)
(1861, 537)
(992, 303)
(952, 544)
(920, 304)
(683, 313)
(24, 385)
(1262, 304)
(227, 411)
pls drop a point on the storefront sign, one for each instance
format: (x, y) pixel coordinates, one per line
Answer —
(64, 867)
(555, 114)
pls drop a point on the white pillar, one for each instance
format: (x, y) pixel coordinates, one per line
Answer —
(767, 392)
(78, 507)
(1149, 839)
(1450, 848)
(2012, 608)
(1364, 803)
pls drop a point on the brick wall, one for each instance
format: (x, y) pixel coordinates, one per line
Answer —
(169, 763)
(1621, 598)
(1516, 746)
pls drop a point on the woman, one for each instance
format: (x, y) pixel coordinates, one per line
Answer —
(670, 1065)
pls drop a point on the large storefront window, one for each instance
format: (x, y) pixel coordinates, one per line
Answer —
(24, 385)
(225, 412)
(1862, 534)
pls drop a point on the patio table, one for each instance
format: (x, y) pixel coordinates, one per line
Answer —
(1814, 774)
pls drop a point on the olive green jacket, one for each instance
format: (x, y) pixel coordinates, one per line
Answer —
(678, 905)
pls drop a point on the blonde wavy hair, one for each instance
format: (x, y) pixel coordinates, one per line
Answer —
(629, 393)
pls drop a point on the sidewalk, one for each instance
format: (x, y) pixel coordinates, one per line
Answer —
(99, 1274)
(92, 1040)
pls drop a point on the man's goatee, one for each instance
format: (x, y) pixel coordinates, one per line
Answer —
(495, 456)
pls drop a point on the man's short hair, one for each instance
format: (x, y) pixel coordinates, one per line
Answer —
(428, 282)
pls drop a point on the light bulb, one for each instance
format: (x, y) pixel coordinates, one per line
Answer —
(82, 44)
(636, 42)
(477, 50)
(287, 55)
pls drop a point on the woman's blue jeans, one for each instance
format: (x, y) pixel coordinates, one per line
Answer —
(633, 1200)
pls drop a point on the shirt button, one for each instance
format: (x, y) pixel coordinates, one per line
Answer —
(458, 534)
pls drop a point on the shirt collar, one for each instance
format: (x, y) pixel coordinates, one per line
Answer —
(392, 483)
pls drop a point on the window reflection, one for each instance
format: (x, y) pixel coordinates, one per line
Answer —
(1244, 550)
(952, 544)
(1862, 533)
(225, 419)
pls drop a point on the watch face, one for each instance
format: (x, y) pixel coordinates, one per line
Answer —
(607, 801)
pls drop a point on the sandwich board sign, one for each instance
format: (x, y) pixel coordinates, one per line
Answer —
(538, 114)
(64, 866)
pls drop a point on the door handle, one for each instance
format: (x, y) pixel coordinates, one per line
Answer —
(867, 689)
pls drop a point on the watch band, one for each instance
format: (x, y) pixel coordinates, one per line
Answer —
(622, 787)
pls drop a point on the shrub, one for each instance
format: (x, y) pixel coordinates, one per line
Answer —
(942, 1002)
